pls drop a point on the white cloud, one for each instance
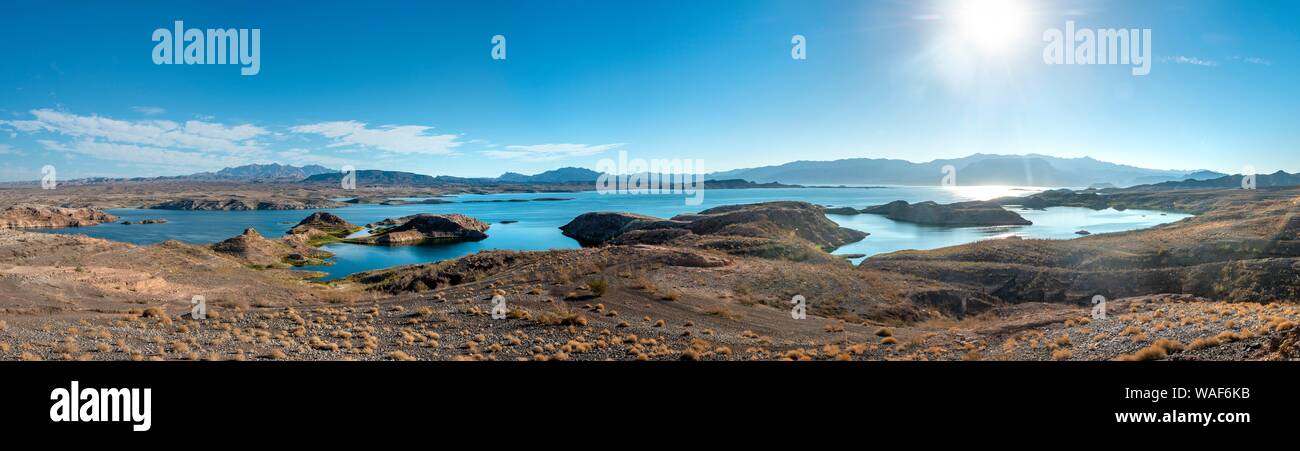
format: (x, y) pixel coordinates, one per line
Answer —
(197, 135)
(1190, 60)
(402, 139)
(148, 110)
(154, 156)
(300, 157)
(1253, 60)
(6, 149)
(550, 152)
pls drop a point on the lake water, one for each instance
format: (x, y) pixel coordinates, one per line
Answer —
(538, 222)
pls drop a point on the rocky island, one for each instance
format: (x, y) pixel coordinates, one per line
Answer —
(974, 213)
(773, 228)
(426, 229)
(322, 227)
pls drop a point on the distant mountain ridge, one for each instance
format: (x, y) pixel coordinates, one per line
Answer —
(565, 174)
(977, 169)
(1276, 179)
(273, 171)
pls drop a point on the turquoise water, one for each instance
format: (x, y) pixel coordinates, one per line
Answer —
(538, 222)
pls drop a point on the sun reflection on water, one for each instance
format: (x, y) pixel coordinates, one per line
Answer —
(991, 191)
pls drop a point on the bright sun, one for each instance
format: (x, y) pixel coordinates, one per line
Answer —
(991, 25)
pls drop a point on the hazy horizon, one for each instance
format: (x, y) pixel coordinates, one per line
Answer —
(419, 91)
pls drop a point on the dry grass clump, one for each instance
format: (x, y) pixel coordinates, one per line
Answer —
(400, 356)
(1148, 353)
(598, 287)
(721, 312)
(884, 332)
(1063, 340)
(1161, 349)
(1062, 354)
(564, 318)
(1170, 346)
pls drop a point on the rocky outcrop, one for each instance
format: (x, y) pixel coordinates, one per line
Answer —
(956, 214)
(847, 211)
(772, 220)
(388, 223)
(1059, 198)
(239, 204)
(44, 216)
(254, 249)
(591, 229)
(325, 222)
(429, 228)
(145, 221)
(788, 230)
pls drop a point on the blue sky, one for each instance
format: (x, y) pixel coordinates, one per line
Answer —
(412, 85)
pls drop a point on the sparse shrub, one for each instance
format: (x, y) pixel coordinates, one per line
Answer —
(720, 312)
(598, 287)
(1170, 346)
(1063, 340)
(1148, 353)
(1203, 342)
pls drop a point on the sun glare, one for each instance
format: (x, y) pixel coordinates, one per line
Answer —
(991, 25)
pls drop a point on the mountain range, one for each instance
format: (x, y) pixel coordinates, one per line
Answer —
(260, 172)
(977, 169)
(1276, 179)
